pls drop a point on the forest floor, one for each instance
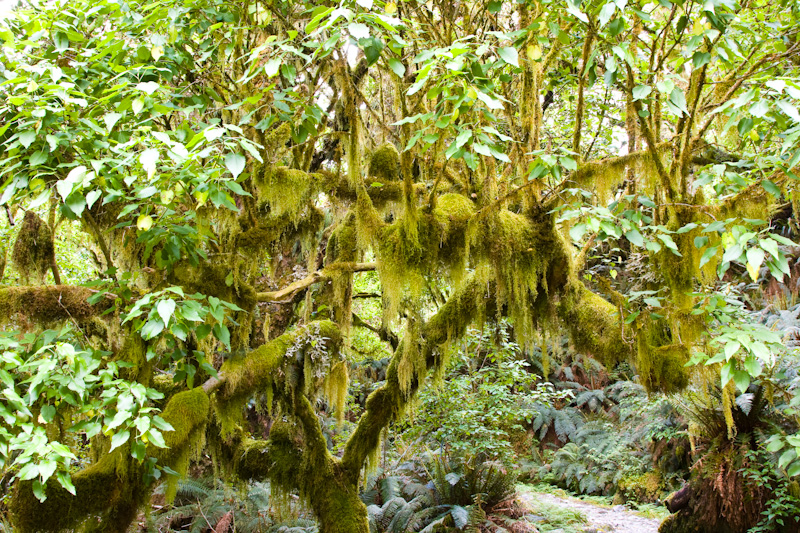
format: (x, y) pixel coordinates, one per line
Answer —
(564, 514)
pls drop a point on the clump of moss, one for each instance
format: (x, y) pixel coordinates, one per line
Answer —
(34, 252)
(385, 163)
(660, 362)
(642, 488)
(284, 190)
(48, 304)
(187, 412)
(594, 324)
(434, 241)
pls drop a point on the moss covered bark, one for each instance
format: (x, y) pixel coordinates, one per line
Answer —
(48, 304)
(108, 494)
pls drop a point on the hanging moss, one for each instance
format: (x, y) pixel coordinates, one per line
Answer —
(466, 305)
(437, 242)
(594, 325)
(279, 367)
(660, 361)
(276, 138)
(2, 260)
(284, 190)
(753, 202)
(187, 412)
(34, 253)
(384, 165)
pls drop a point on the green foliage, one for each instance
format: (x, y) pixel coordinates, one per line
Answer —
(55, 393)
(452, 492)
(200, 504)
(483, 401)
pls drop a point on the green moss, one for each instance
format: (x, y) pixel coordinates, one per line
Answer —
(794, 489)
(467, 304)
(287, 191)
(34, 252)
(290, 364)
(384, 165)
(428, 242)
(659, 363)
(167, 386)
(276, 138)
(48, 304)
(642, 488)
(110, 490)
(593, 324)
(187, 412)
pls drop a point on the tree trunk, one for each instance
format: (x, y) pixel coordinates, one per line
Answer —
(337, 505)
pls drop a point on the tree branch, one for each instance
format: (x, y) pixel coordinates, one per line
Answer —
(287, 293)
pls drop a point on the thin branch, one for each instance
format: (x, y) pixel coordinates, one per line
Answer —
(287, 293)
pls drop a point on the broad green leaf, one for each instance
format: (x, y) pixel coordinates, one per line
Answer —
(397, 67)
(635, 237)
(26, 138)
(755, 257)
(509, 55)
(165, 308)
(118, 439)
(235, 163)
(641, 91)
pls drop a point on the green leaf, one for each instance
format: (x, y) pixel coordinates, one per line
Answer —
(397, 67)
(118, 439)
(744, 126)
(677, 102)
(755, 257)
(577, 231)
(490, 102)
(165, 308)
(568, 162)
(235, 163)
(358, 30)
(27, 137)
(37, 158)
(635, 237)
(700, 58)
(111, 119)
(509, 55)
(152, 328)
(272, 67)
(606, 13)
(641, 91)
(771, 188)
(741, 379)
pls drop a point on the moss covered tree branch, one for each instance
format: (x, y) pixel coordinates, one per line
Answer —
(113, 488)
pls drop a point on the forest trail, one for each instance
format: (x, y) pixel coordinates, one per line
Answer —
(617, 519)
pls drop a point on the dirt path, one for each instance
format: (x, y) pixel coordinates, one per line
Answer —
(616, 519)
